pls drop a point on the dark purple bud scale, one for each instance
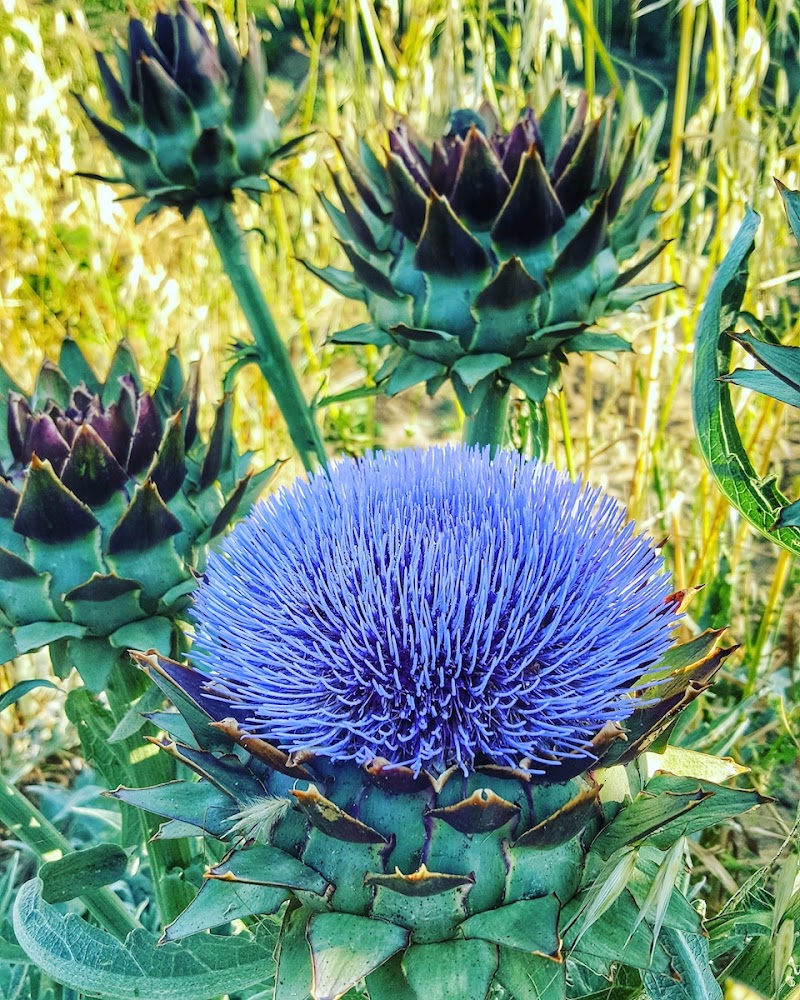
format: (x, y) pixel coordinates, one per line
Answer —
(476, 172)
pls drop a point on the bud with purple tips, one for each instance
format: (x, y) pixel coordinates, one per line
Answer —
(194, 121)
(108, 498)
(488, 256)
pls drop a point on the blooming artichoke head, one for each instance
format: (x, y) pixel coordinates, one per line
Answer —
(421, 679)
(193, 119)
(485, 625)
(489, 254)
(108, 497)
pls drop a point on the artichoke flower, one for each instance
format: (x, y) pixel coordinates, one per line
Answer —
(108, 499)
(194, 122)
(421, 687)
(486, 258)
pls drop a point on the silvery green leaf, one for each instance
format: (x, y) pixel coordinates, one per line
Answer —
(88, 959)
(689, 955)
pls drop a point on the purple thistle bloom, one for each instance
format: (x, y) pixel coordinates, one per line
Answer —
(433, 608)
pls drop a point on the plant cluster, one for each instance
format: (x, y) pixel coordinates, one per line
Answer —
(424, 723)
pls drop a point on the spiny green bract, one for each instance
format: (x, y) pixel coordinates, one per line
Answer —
(108, 498)
(195, 124)
(431, 887)
(490, 255)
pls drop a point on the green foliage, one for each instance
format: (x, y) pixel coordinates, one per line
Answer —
(73, 262)
(758, 499)
(87, 959)
(194, 122)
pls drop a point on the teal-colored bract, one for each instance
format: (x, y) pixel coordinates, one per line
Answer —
(194, 121)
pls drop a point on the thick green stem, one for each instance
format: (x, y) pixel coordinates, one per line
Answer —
(27, 824)
(487, 426)
(273, 358)
(145, 765)
(538, 430)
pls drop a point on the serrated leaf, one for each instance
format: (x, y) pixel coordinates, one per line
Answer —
(718, 436)
(89, 960)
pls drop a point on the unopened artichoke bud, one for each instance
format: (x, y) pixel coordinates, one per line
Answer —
(194, 122)
(108, 499)
(489, 256)
(423, 690)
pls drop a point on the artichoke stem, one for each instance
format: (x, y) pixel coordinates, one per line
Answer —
(24, 822)
(168, 859)
(273, 358)
(487, 426)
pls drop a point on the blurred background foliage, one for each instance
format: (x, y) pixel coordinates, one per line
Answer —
(721, 79)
